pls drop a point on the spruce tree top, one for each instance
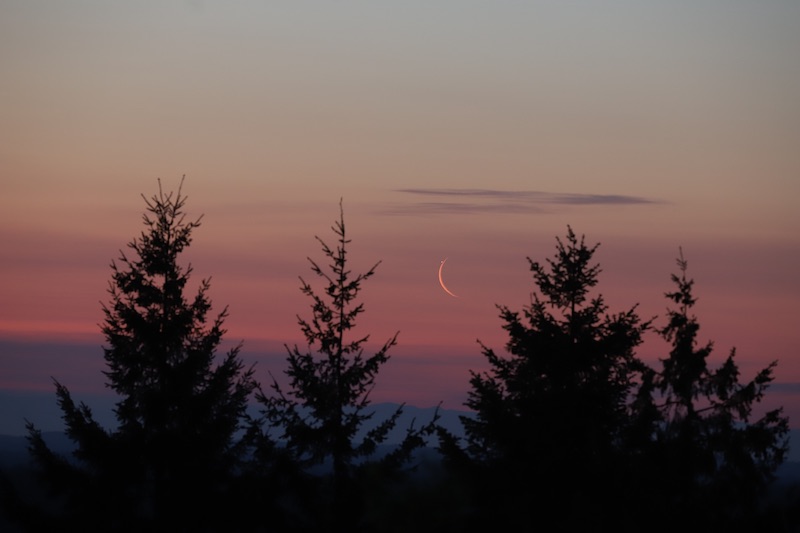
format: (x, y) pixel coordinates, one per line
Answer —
(161, 345)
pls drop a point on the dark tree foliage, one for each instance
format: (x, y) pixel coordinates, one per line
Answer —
(549, 442)
(713, 458)
(323, 420)
(170, 463)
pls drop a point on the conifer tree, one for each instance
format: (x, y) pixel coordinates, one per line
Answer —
(715, 455)
(323, 418)
(169, 463)
(552, 417)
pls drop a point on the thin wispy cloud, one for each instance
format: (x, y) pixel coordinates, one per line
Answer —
(785, 387)
(471, 201)
(461, 208)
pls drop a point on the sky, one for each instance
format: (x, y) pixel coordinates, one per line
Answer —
(472, 131)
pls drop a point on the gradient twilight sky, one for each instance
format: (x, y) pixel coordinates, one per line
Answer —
(469, 130)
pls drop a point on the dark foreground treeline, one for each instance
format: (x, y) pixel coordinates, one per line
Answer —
(573, 432)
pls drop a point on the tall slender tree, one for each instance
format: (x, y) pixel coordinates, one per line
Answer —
(324, 416)
(169, 463)
(715, 454)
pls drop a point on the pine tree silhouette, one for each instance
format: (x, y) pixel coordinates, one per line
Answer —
(713, 457)
(170, 462)
(548, 444)
(324, 417)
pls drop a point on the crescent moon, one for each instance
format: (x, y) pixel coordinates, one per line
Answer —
(441, 282)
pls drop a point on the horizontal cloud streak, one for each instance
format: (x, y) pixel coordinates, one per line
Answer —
(470, 201)
(785, 387)
(462, 208)
(534, 196)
